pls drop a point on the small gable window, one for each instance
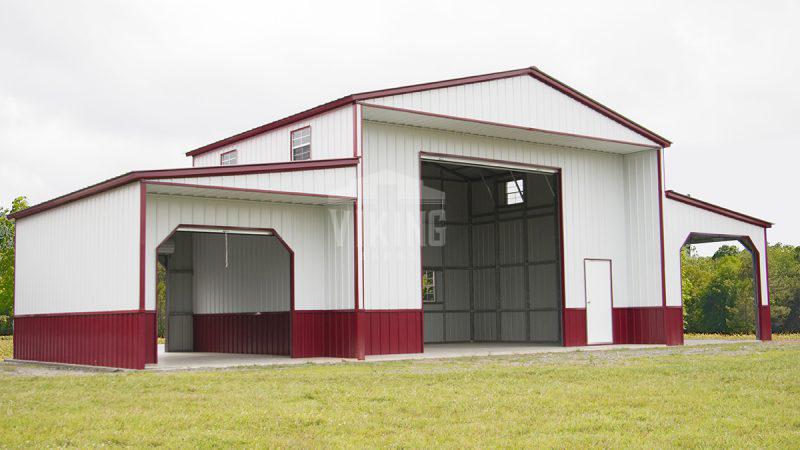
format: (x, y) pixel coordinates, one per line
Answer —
(229, 158)
(301, 144)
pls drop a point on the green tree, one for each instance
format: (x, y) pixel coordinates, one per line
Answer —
(7, 262)
(726, 250)
(718, 293)
(784, 287)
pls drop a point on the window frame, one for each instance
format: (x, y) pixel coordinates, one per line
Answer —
(504, 192)
(433, 287)
(292, 147)
(222, 157)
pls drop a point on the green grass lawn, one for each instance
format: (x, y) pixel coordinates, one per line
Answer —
(731, 395)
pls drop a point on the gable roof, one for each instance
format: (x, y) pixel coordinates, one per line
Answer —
(350, 99)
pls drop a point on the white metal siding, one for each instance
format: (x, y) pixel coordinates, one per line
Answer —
(331, 137)
(595, 210)
(338, 181)
(321, 238)
(521, 101)
(643, 222)
(681, 219)
(80, 257)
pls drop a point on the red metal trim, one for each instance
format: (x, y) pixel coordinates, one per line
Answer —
(766, 267)
(226, 153)
(130, 177)
(532, 71)
(691, 201)
(256, 191)
(506, 125)
(291, 147)
(142, 244)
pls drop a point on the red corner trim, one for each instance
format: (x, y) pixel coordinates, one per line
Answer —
(184, 172)
(531, 71)
(691, 201)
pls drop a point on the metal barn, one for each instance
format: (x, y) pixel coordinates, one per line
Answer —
(505, 207)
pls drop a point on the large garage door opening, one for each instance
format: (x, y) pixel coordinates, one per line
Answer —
(490, 254)
(226, 292)
(719, 287)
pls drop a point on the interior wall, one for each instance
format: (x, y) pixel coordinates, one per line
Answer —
(257, 277)
(497, 274)
(234, 303)
(180, 296)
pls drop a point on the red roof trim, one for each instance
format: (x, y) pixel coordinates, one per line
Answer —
(184, 172)
(691, 201)
(532, 71)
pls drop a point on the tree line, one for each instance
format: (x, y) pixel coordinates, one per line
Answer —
(718, 291)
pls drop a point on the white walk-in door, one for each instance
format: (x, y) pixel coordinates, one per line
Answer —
(598, 301)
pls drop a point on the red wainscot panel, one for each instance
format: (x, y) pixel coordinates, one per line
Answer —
(574, 327)
(336, 333)
(764, 323)
(111, 339)
(642, 325)
(673, 325)
(324, 333)
(263, 333)
(151, 337)
(392, 331)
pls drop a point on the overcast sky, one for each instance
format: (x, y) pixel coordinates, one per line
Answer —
(89, 90)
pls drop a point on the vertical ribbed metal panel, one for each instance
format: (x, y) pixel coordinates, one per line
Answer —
(82, 256)
(106, 339)
(320, 236)
(521, 101)
(256, 278)
(338, 181)
(331, 137)
(680, 220)
(595, 217)
(644, 231)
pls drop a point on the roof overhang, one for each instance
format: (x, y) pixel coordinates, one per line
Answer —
(228, 193)
(399, 116)
(691, 201)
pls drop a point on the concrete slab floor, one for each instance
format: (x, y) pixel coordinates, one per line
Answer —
(194, 361)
